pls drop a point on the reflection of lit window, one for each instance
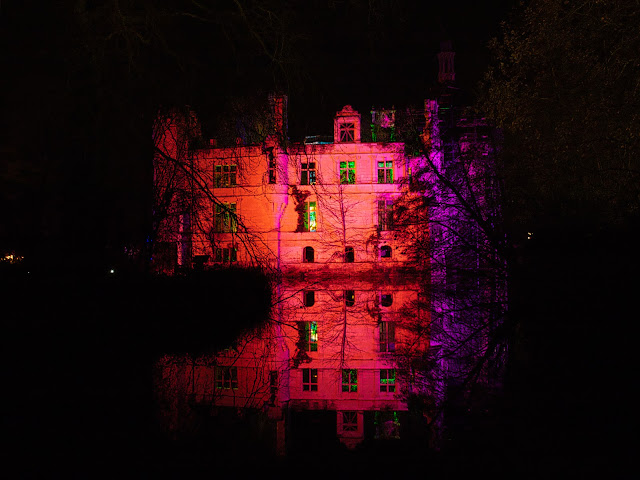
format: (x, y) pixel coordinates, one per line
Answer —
(388, 380)
(311, 336)
(308, 255)
(309, 298)
(385, 214)
(348, 172)
(349, 298)
(310, 218)
(385, 172)
(349, 255)
(308, 174)
(387, 332)
(226, 255)
(386, 299)
(225, 175)
(349, 421)
(226, 378)
(349, 380)
(385, 251)
(310, 379)
(225, 220)
(347, 132)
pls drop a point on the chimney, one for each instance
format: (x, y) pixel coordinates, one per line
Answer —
(446, 72)
(278, 109)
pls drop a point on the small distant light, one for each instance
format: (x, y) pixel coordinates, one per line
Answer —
(529, 235)
(112, 271)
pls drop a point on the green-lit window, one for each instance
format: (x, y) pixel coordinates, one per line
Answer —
(225, 176)
(347, 132)
(226, 378)
(310, 217)
(308, 173)
(226, 255)
(388, 380)
(349, 380)
(310, 379)
(311, 336)
(348, 173)
(385, 172)
(225, 218)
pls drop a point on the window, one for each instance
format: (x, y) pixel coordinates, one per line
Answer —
(308, 175)
(225, 176)
(349, 255)
(387, 332)
(310, 218)
(311, 336)
(273, 386)
(309, 298)
(349, 298)
(226, 378)
(385, 251)
(386, 299)
(385, 172)
(308, 255)
(388, 380)
(385, 214)
(349, 380)
(348, 172)
(226, 220)
(347, 132)
(226, 255)
(349, 421)
(272, 165)
(309, 379)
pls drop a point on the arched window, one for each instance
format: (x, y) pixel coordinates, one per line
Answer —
(308, 254)
(385, 251)
(309, 298)
(386, 299)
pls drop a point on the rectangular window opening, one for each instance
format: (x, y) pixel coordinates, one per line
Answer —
(349, 380)
(347, 173)
(308, 173)
(387, 333)
(385, 172)
(310, 379)
(388, 380)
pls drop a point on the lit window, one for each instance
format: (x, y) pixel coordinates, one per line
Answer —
(385, 251)
(272, 165)
(308, 255)
(308, 173)
(387, 332)
(226, 378)
(311, 336)
(385, 172)
(310, 218)
(349, 298)
(388, 380)
(309, 298)
(347, 132)
(348, 172)
(349, 421)
(385, 214)
(225, 176)
(349, 255)
(226, 255)
(310, 379)
(386, 299)
(226, 220)
(349, 380)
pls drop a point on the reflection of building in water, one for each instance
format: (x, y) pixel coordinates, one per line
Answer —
(332, 219)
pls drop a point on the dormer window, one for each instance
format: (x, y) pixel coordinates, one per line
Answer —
(347, 133)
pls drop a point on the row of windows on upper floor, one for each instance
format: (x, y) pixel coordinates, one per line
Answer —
(383, 299)
(226, 176)
(308, 332)
(226, 378)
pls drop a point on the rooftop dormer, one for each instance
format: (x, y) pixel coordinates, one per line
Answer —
(346, 126)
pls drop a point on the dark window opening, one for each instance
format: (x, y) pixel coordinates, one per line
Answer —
(388, 380)
(385, 251)
(349, 298)
(272, 165)
(385, 172)
(387, 337)
(308, 255)
(226, 255)
(310, 379)
(349, 255)
(309, 297)
(385, 215)
(349, 421)
(225, 176)
(347, 132)
(273, 386)
(226, 378)
(386, 299)
(308, 173)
